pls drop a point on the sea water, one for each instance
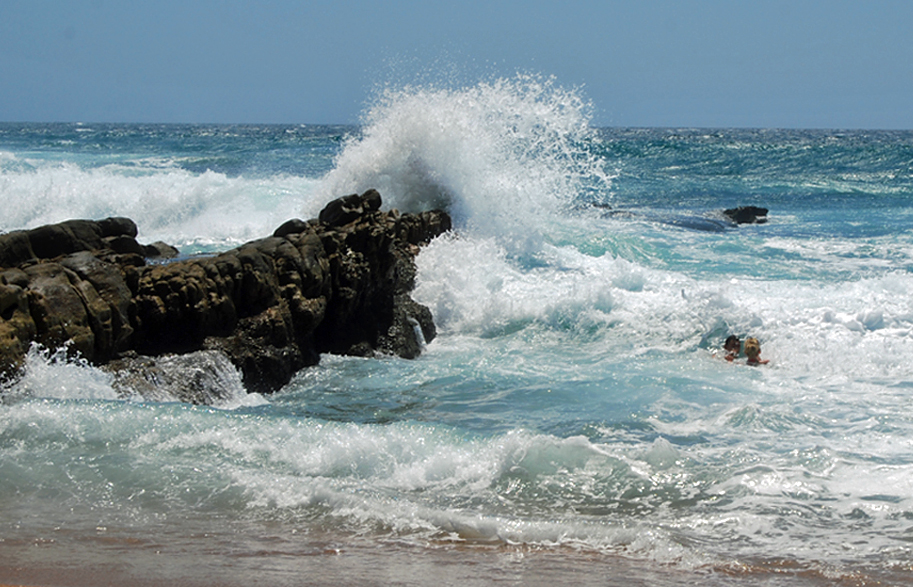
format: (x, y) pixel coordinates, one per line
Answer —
(573, 421)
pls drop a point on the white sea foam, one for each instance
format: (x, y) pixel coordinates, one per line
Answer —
(859, 329)
(56, 374)
(502, 157)
(51, 374)
(188, 210)
(413, 481)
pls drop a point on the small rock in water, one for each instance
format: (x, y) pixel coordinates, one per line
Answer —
(747, 215)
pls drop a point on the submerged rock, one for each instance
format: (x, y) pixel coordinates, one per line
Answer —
(711, 221)
(747, 215)
(160, 250)
(338, 285)
(201, 377)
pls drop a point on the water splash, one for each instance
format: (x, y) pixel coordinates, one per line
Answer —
(203, 377)
(193, 211)
(503, 157)
(53, 374)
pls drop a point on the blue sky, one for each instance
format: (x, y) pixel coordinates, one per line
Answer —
(805, 64)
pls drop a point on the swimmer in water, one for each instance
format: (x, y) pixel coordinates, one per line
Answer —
(732, 347)
(753, 352)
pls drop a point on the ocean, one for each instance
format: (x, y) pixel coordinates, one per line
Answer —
(574, 420)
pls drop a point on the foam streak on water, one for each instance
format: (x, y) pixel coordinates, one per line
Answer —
(574, 405)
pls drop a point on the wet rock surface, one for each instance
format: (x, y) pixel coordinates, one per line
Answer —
(272, 306)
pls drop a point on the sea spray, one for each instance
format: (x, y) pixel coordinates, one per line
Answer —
(190, 211)
(503, 157)
(203, 377)
(54, 373)
(193, 204)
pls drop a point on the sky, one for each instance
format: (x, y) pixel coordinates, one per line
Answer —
(645, 63)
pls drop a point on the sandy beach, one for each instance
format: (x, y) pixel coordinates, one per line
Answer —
(458, 566)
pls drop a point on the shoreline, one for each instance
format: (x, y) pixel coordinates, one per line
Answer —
(367, 564)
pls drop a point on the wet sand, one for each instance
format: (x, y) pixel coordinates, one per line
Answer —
(406, 566)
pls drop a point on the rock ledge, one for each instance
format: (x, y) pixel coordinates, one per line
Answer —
(338, 284)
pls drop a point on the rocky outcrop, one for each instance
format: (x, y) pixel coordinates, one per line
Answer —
(66, 284)
(339, 285)
(747, 215)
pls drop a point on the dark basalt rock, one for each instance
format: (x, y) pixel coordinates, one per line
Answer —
(293, 226)
(54, 240)
(160, 250)
(348, 208)
(340, 284)
(747, 215)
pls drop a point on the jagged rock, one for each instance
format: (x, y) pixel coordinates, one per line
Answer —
(747, 215)
(54, 240)
(412, 325)
(60, 308)
(111, 319)
(272, 306)
(117, 226)
(17, 328)
(160, 250)
(348, 208)
(293, 226)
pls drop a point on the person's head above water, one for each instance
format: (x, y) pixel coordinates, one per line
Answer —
(753, 351)
(752, 347)
(732, 344)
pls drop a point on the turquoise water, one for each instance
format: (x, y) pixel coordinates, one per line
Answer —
(571, 421)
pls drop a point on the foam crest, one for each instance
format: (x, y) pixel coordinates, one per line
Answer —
(51, 374)
(502, 157)
(413, 479)
(856, 330)
(177, 206)
(204, 377)
(475, 286)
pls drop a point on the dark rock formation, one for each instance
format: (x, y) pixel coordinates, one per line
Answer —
(53, 290)
(747, 215)
(54, 240)
(346, 209)
(160, 250)
(711, 221)
(337, 285)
